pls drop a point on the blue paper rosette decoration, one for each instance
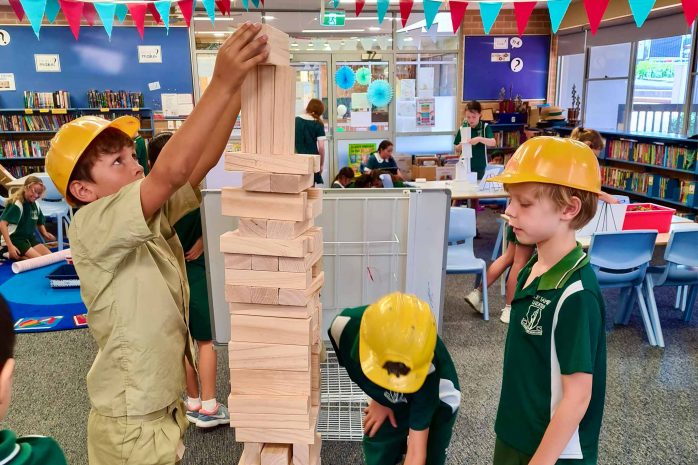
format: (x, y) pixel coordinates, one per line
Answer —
(345, 77)
(380, 93)
(363, 76)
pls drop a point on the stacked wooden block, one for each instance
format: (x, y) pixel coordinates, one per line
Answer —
(273, 275)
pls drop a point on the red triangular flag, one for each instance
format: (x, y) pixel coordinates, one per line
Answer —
(73, 13)
(187, 8)
(17, 8)
(223, 6)
(690, 10)
(522, 11)
(137, 11)
(89, 13)
(154, 12)
(359, 6)
(405, 10)
(457, 13)
(595, 10)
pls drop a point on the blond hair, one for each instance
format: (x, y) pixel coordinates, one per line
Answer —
(19, 193)
(561, 196)
(591, 137)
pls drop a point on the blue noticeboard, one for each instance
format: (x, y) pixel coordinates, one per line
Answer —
(483, 78)
(93, 62)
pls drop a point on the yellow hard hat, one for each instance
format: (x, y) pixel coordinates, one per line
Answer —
(68, 145)
(397, 328)
(553, 160)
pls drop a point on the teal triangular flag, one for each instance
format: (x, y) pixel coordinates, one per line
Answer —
(52, 9)
(246, 5)
(488, 13)
(382, 7)
(641, 9)
(106, 15)
(431, 7)
(121, 12)
(210, 7)
(34, 9)
(163, 8)
(336, 3)
(255, 3)
(557, 10)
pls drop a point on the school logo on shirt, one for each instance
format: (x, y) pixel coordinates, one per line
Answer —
(531, 321)
(395, 397)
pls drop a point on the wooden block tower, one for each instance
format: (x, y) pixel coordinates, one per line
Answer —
(273, 274)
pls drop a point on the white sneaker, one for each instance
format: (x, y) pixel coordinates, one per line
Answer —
(474, 299)
(506, 313)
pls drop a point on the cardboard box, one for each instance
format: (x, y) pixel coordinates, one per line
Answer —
(426, 172)
(446, 173)
(404, 164)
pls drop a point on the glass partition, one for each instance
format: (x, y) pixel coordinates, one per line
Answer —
(355, 110)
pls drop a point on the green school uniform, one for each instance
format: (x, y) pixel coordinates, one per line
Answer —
(557, 328)
(511, 237)
(142, 153)
(479, 161)
(308, 131)
(375, 162)
(433, 406)
(189, 231)
(29, 450)
(23, 218)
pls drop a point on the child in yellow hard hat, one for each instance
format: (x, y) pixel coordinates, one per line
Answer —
(131, 263)
(391, 350)
(554, 373)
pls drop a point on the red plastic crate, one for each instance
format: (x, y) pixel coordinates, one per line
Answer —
(657, 217)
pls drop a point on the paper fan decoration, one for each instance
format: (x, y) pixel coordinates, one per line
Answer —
(345, 77)
(363, 76)
(380, 93)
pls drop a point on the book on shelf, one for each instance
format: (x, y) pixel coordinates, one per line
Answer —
(114, 99)
(651, 184)
(57, 99)
(23, 170)
(24, 148)
(28, 123)
(507, 139)
(661, 155)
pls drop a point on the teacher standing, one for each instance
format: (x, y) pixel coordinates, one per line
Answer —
(310, 134)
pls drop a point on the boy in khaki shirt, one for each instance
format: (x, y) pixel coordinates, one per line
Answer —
(131, 264)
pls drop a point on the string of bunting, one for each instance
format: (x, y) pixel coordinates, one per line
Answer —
(160, 10)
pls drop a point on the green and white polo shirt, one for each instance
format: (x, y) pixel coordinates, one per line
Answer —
(29, 450)
(439, 392)
(557, 328)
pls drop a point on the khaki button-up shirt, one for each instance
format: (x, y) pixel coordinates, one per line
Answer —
(133, 282)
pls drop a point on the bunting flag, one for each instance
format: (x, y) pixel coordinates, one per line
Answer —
(557, 10)
(223, 7)
(17, 8)
(431, 7)
(34, 9)
(641, 10)
(187, 9)
(489, 12)
(163, 7)
(52, 9)
(106, 15)
(137, 11)
(246, 5)
(359, 6)
(334, 2)
(121, 12)
(690, 10)
(150, 7)
(382, 7)
(595, 10)
(89, 13)
(73, 13)
(522, 11)
(457, 13)
(405, 10)
(210, 10)
(255, 3)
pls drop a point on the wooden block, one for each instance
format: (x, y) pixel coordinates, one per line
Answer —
(291, 183)
(270, 420)
(280, 164)
(277, 454)
(256, 181)
(251, 454)
(252, 227)
(315, 397)
(278, 311)
(315, 193)
(274, 279)
(270, 382)
(280, 435)
(277, 229)
(278, 46)
(283, 114)
(265, 115)
(238, 202)
(236, 261)
(233, 242)
(264, 295)
(286, 405)
(297, 265)
(268, 356)
(242, 294)
(307, 454)
(314, 208)
(248, 113)
(316, 267)
(301, 297)
(265, 263)
(249, 328)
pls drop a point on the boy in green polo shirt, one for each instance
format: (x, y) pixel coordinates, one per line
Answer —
(390, 349)
(554, 374)
(30, 450)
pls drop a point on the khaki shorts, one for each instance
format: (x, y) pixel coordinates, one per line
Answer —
(153, 439)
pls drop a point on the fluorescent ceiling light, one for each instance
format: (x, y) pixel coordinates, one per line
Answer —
(268, 17)
(201, 18)
(330, 31)
(374, 28)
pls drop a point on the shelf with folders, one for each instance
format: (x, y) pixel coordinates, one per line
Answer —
(672, 191)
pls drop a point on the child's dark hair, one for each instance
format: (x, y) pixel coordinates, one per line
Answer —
(473, 106)
(109, 141)
(384, 145)
(7, 333)
(590, 137)
(155, 146)
(315, 108)
(363, 181)
(345, 172)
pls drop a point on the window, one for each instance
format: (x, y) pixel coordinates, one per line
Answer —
(414, 36)
(355, 112)
(607, 87)
(571, 75)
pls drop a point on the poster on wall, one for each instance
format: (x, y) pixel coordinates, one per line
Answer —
(7, 82)
(425, 78)
(407, 88)
(357, 152)
(149, 54)
(47, 63)
(426, 112)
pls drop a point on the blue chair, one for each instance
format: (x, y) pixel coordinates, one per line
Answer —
(460, 258)
(620, 260)
(497, 249)
(53, 205)
(624, 199)
(387, 180)
(681, 270)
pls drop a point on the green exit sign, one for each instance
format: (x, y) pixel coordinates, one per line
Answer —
(334, 18)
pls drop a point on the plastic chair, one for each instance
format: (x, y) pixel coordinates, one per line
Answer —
(460, 258)
(622, 199)
(681, 270)
(620, 260)
(387, 180)
(53, 205)
(497, 249)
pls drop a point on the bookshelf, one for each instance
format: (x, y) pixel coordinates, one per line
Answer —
(508, 136)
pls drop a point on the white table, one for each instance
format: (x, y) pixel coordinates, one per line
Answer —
(462, 190)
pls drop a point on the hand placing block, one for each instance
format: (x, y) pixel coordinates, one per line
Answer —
(278, 46)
